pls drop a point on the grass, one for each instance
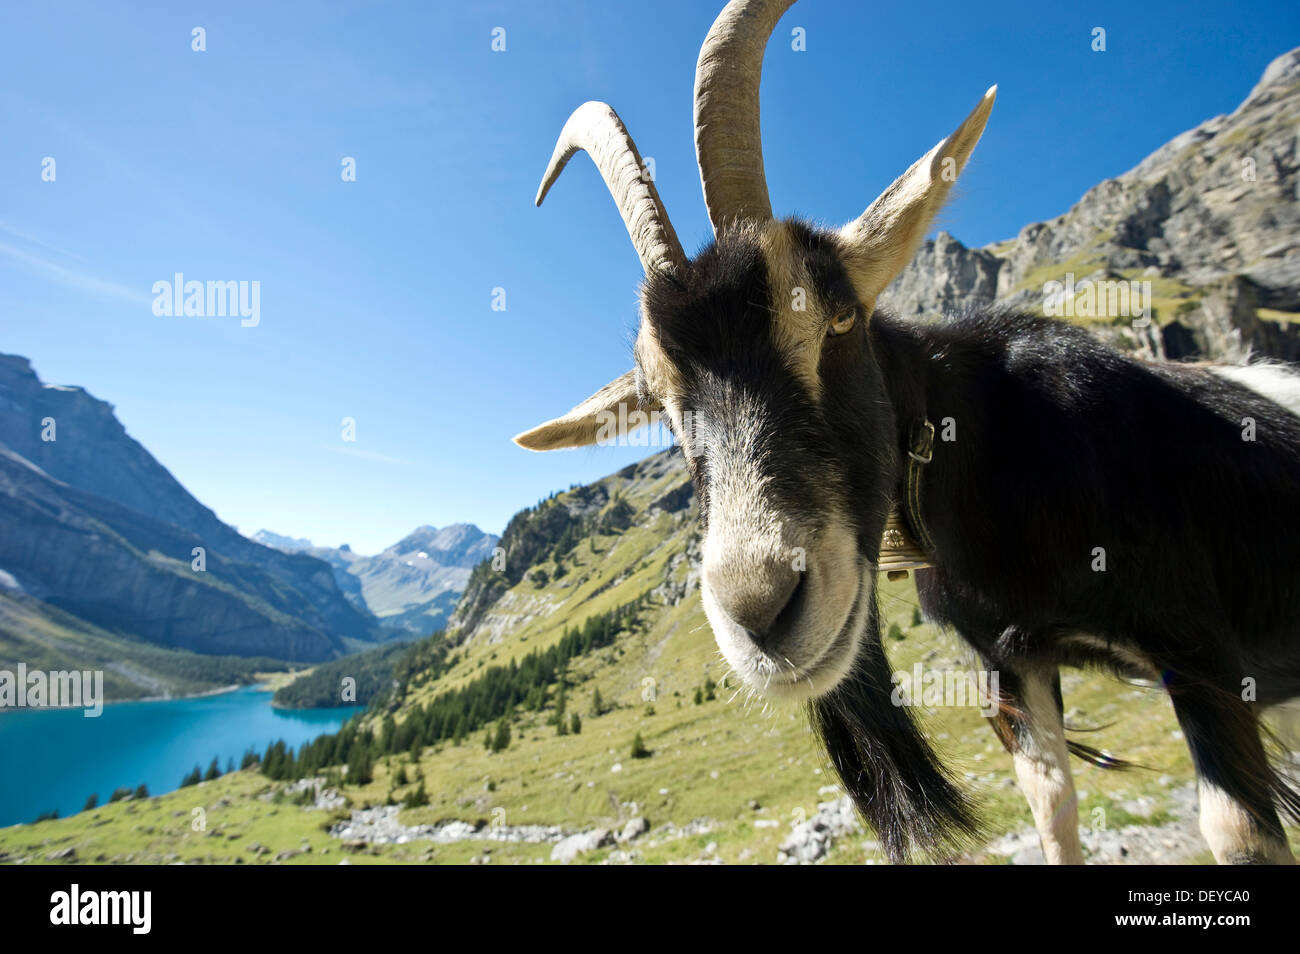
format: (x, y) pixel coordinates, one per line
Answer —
(47, 639)
(709, 761)
(734, 762)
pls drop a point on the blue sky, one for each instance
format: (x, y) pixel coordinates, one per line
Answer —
(376, 294)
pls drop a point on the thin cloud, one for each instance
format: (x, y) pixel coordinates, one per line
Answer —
(75, 279)
(29, 239)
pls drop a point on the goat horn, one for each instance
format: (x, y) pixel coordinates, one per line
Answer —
(595, 128)
(728, 143)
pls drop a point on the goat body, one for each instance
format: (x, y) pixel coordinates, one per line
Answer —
(1092, 509)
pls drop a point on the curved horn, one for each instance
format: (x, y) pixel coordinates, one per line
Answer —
(596, 129)
(728, 144)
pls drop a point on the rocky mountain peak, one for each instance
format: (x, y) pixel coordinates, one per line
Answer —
(459, 544)
(1279, 76)
(1211, 220)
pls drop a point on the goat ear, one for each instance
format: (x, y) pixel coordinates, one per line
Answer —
(611, 412)
(880, 242)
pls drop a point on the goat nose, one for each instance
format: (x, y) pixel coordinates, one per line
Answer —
(761, 603)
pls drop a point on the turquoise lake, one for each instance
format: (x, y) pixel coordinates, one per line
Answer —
(54, 759)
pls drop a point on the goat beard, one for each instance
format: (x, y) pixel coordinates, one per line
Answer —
(889, 770)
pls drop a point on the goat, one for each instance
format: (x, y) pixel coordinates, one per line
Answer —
(1093, 508)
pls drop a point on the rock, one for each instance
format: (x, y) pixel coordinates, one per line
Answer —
(488, 608)
(944, 277)
(1172, 843)
(570, 848)
(1212, 215)
(66, 854)
(56, 513)
(635, 828)
(811, 840)
(380, 826)
(1029, 855)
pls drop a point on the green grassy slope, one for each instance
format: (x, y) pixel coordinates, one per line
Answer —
(48, 639)
(742, 771)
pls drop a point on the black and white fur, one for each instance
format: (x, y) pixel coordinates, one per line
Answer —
(794, 399)
(1062, 446)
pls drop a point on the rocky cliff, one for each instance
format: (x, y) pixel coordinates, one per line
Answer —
(1211, 219)
(95, 525)
(413, 585)
(653, 497)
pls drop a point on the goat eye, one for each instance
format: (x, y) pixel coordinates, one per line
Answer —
(842, 324)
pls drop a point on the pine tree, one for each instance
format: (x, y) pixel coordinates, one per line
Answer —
(142, 791)
(92, 802)
(193, 778)
(575, 724)
(361, 768)
(597, 704)
(639, 751)
(214, 771)
(501, 741)
(416, 799)
(561, 702)
(277, 763)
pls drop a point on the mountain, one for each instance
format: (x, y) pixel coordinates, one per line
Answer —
(48, 639)
(413, 585)
(1211, 219)
(288, 544)
(589, 640)
(93, 453)
(536, 543)
(95, 526)
(596, 613)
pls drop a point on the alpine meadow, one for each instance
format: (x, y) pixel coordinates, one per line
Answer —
(920, 484)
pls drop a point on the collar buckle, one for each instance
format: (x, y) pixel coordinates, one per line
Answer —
(922, 449)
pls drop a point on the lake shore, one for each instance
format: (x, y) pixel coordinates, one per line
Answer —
(56, 761)
(264, 682)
